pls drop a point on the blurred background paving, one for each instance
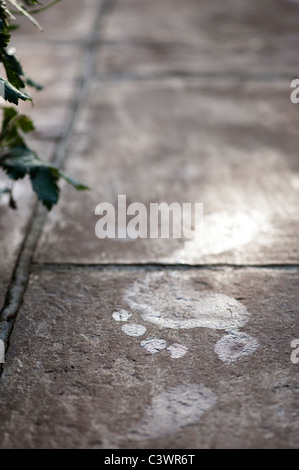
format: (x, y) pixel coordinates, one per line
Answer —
(157, 343)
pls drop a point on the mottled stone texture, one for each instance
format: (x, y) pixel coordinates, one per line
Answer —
(231, 147)
(74, 379)
(189, 102)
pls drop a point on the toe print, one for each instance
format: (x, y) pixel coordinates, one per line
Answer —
(177, 350)
(131, 329)
(121, 315)
(177, 305)
(153, 345)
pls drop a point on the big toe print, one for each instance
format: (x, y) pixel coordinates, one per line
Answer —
(172, 302)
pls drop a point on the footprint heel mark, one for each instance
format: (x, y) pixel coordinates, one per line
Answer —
(174, 409)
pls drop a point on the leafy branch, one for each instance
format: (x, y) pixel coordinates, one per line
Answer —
(16, 158)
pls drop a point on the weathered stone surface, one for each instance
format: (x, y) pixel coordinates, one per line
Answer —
(70, 20)
(170, 358)
(56, 68)
(74, 379)
(232, 147)
(243, 38)
(191, 20)
(120, 59)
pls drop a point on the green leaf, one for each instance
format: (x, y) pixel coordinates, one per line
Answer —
(21, 9)
(14, 72)
(16, 159)
(18, 162)
(11, 93)
(31, 2)
(33, 84)
(44, 183)
(13, 123)
(73, 181)
(4, 35)
(9, 114)
(25, 124)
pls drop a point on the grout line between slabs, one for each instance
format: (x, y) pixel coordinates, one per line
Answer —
(267, 78)
(20, 277)
(151, 266)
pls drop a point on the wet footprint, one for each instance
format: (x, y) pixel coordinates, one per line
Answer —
(177, 305)
(152, 345)
(174, 409)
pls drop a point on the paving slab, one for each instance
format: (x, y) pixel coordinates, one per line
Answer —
(231, 146)
(129, 59)
(56, 68)
(241, 38)
(164, 360)
(176, 21)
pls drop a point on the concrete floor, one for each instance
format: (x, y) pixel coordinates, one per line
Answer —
(157, 343)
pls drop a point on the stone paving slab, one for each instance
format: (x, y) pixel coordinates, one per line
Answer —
(177, 359)
(121, 58)
(56, 68)
(202, 20)
(247, 38)
(231, 146)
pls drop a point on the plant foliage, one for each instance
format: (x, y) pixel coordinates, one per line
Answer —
(16, 158)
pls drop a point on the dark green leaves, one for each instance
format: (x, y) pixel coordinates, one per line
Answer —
(11, 93)
(12, 89)
(13, 126)
(13, 69)
(4, 35)
(44, 183)
(16, 158)
(18, 162)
